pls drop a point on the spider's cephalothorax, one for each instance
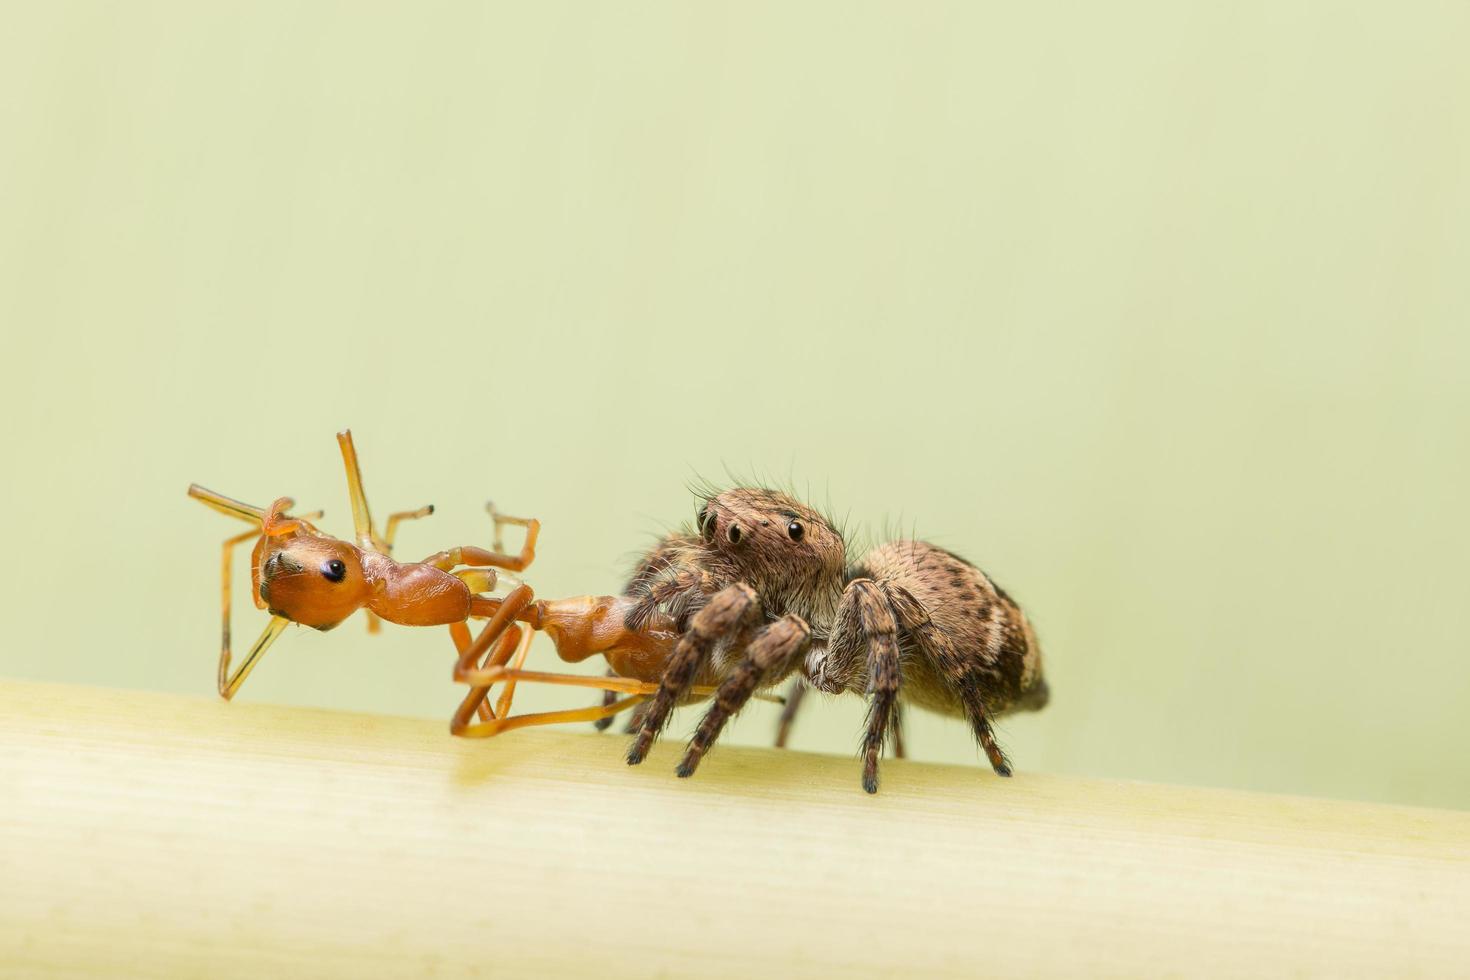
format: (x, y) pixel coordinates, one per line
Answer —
(760, 589)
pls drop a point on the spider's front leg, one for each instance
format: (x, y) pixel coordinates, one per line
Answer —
(772, 655)
(727, 613)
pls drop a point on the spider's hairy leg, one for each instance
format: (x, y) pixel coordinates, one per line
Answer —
(865, 606)
(635, 716)
(897, 732)
(608, 697)
(794, 695)
(724, 615)
(964, 675)
(682, 593)
(775, 648)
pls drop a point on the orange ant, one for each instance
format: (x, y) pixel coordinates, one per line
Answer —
(303, 575)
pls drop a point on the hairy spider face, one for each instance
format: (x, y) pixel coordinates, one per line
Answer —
(311, 580)
(774, 541)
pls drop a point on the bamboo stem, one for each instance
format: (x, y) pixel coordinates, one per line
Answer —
(147, 834)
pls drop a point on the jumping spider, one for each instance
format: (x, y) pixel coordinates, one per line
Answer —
(761, 589)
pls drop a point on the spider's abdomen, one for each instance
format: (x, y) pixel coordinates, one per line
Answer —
(984, 627)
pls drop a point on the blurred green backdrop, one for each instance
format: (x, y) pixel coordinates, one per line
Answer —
(1157, 311)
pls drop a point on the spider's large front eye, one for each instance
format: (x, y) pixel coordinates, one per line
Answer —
(334, 570)
(795, 530)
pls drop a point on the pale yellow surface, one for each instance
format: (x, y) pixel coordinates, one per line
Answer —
(1160, 311)
(145, 834)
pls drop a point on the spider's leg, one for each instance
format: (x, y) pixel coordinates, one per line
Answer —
(608, 697)
(794, 694)
(775, 647)
(868, 607)
(964, 674)
(726, 614)
(635, 719)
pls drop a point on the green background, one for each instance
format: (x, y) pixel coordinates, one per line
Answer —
(1156, 311)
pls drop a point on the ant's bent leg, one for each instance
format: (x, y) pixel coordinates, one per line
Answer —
(390, 529)
(726, 614)
(468, 667)
(778, 645)
(474, 702)
(230, 683)
(497, 726)
(521, 561)
(794, 694)
(481, 557)
(964, 676)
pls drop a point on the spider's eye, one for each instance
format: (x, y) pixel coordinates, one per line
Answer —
(795, 530)
(733, 534)
(334, 570)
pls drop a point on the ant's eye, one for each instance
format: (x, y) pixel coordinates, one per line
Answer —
(334, 570)
(795, 530)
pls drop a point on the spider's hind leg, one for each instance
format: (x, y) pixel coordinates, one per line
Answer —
(964, 675)
(878, 625)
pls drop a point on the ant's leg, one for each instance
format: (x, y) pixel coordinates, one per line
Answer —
(635, 717)
(794, 694)
(606, 682)
(481, 557)
(502, 614)
(362, 518)
(228, 505)
(228, 684)
(521, 561)
(517, 661)
(390, 529)
(474, 702)
(776, 646)
(493, 673)
(726, 614)
(497, 726)
(460, 633)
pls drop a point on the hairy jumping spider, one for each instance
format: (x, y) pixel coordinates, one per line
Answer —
(761, 588)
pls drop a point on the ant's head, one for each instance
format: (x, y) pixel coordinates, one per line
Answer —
(304, 575)
(772, 539)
